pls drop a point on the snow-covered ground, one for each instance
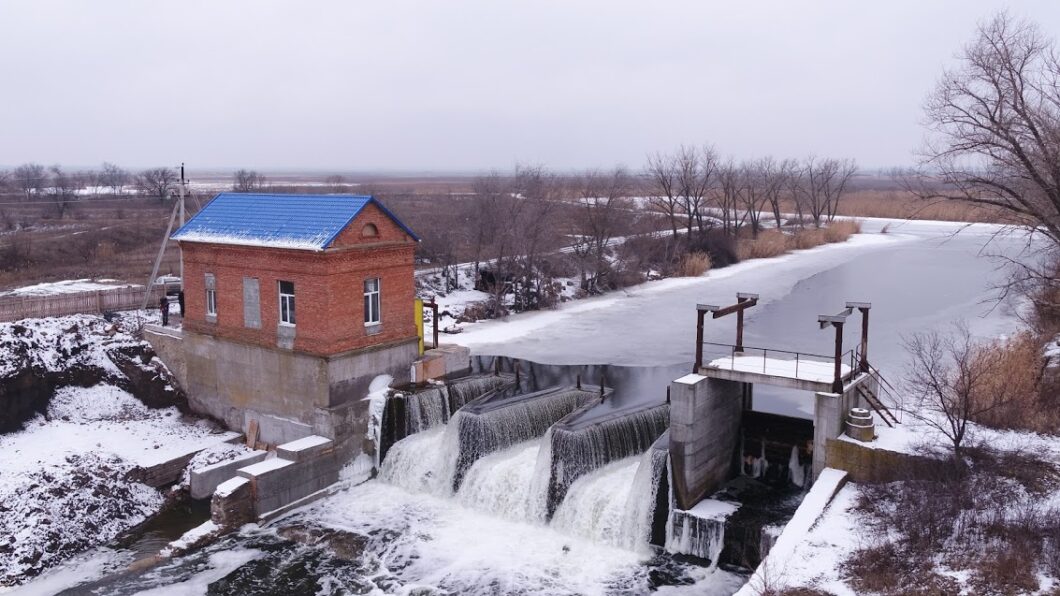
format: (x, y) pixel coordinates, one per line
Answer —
(69, 286)
(64, 477)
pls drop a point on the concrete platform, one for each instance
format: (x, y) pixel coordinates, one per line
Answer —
(804, 374)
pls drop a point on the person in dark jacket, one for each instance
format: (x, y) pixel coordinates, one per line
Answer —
(180, 301)
(163, 305)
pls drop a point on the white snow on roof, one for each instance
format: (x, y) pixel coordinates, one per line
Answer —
(315, 243)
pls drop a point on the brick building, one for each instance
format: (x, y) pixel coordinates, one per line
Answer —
(293, 305)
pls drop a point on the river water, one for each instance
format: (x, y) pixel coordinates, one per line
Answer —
(382, 538)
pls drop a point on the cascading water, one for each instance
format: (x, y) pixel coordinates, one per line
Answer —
(486, 426)
(406, 413)
(581, 444)
(501, 483)
(615, 504)
(796, 471)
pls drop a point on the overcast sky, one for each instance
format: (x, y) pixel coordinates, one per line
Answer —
(463, 86)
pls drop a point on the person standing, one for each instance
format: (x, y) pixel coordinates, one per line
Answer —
(163, 306)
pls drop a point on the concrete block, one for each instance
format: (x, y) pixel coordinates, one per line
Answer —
(304, 448)
(206, 479)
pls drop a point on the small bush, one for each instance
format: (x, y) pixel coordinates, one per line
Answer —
(808, 238)
(1017, 375)
(769, 243)
(693, 265)
(841, 230)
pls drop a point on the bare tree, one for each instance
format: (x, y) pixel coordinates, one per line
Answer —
(157, 182)
(114, 177)
(754, 176)
(31, 179)
(337, 182)
(823, 183)
(62, 189)
(247, 181)
(665, 194)
(776, 179)
(951, 380)
(538, 194)
(603, 213)
(729, 194)
(5, 180)
(487, 204)
(696, 171)
(995, 127)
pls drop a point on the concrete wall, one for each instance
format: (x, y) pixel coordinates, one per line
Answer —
(290, 394)
(830, 412)
(705, 417)
(867, 464)
(169, 345)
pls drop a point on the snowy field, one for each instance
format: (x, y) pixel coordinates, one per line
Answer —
(65, 483)
(70, 286)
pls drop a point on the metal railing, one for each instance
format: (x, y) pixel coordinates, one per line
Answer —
(732, 351)
(886, 390)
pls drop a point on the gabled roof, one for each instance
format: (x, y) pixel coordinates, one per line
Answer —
(298, 221)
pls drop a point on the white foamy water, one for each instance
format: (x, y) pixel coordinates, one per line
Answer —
(433, 542)
(423, 462)
(596, 505)
(501, 483)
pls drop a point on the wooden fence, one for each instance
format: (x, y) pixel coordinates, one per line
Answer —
(13, 308)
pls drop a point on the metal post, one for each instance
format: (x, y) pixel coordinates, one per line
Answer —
(739, 325)
(699, 340)
(864, 339)
(434, 314)
(578, 381)
(837, 383)
(863, 307)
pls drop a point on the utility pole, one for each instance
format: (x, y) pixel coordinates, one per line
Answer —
(182, 189)
(178, 209)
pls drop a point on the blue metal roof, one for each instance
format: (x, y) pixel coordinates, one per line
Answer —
(309, 222)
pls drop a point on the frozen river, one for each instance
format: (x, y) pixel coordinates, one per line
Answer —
(918, 276)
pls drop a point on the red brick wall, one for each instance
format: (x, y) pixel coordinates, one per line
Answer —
(329, 290)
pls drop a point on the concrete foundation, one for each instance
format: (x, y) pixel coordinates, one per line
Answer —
(829, 416)
(280, 481)
(438, 362)
(206, 479)
(290, 394)
(705, 417)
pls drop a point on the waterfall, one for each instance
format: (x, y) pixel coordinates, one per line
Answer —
(581, 444)
(464, 390)
(407, 413)
(487, 425)
(759, 465)
(700, 531)
(414, 462)
(501, 483)
(796, 471)
(615, 504)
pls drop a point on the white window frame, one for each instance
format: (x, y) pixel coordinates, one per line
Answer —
(373, 298)
(288, 312)
(211, 302)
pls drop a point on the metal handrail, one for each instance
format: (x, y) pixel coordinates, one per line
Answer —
(746, 348)
(734, 349)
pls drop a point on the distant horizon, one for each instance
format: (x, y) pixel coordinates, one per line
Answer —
(458, 89)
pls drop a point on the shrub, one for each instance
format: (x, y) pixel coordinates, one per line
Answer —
(807, 238)
(693, 265)
(719, 245)
(841, 230)
(1017, 376)
(769, 243)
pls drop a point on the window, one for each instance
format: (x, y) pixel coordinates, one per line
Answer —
(369, 231)
(211, 298)
(371, 301)
(287, 303)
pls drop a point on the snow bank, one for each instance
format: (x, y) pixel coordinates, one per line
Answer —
(792, 542)
(70, 286)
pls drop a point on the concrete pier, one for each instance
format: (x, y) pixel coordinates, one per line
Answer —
(705, 417)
